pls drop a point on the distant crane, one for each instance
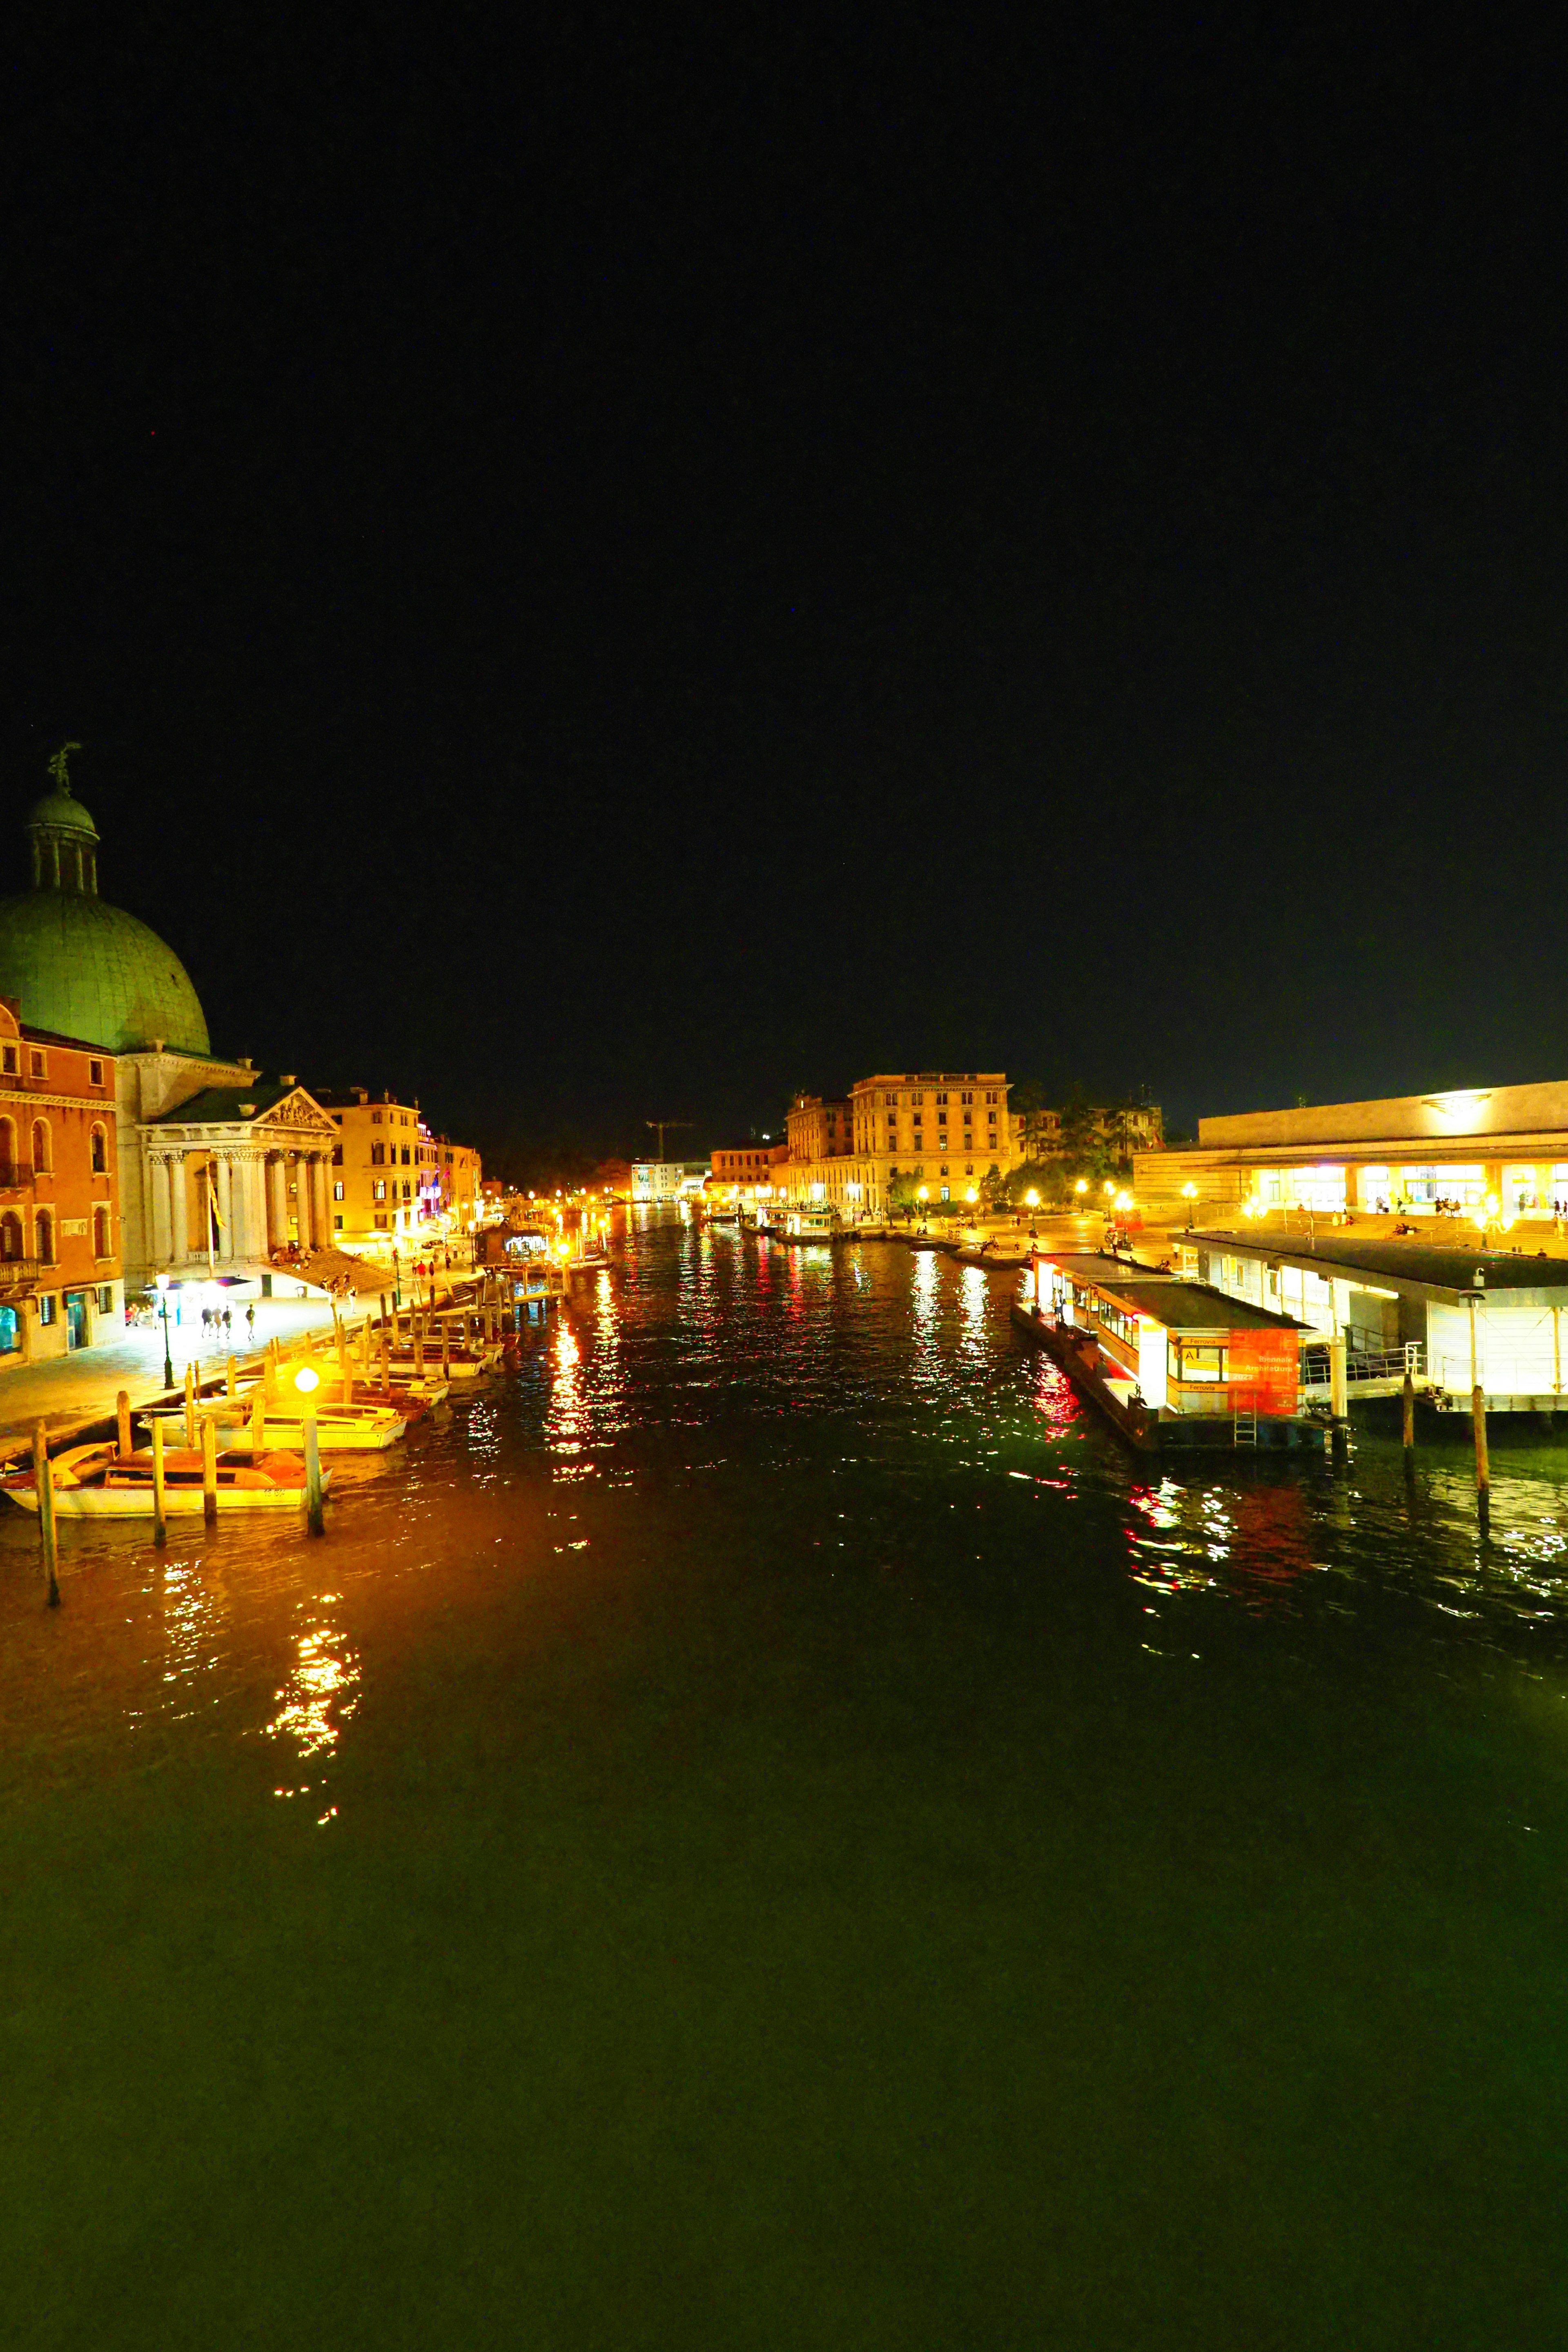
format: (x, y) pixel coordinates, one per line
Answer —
(661, 1124)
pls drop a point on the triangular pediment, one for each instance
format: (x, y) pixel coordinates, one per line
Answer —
(298, 1115)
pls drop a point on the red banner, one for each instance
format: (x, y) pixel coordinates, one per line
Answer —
(1264, 1372)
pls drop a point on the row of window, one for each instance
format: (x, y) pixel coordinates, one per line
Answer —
(41, 1141)
(13, 1235)
(891, 1097)
(38, 1064)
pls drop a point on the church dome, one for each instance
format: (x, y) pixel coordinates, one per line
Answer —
(79, 967)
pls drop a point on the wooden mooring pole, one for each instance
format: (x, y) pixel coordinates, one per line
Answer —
(49, 1537)
(209, 1472)
(315, 1520)
(1339, 1401)
(1407, 1429)
(191, 1406)
(123, 1423)
(1483, 1460)
(160, 1511)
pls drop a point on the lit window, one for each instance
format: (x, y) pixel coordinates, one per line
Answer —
(338, 1193)
(46, 1307)
(378, 1192)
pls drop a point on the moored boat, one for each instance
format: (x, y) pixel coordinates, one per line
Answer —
(340, 1428)
(96, 1481)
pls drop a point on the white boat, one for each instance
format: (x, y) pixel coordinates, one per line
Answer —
(93, 1482)
(814, 1223)
(340, 1428)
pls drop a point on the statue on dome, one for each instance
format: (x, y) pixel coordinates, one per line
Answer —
(59, 766)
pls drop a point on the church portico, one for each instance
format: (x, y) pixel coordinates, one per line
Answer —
(236, 1175)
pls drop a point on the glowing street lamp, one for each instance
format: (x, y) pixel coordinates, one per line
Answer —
(163, 1311)
(1082, 1184)
(1031, 1199)
(1189, 1194)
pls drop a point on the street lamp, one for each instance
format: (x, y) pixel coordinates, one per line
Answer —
(163, 1310)
(1189, 1194)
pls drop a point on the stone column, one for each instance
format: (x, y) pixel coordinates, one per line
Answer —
(180, 1238)
(253, 1191)
(302, 1199)
(158, 1172)
(226, 1204)
(320, 1199)
(277, 1202)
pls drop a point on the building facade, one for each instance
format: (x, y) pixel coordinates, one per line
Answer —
(459, 1177)
(746, 1166)
(1416, 1155)
(665, 1179)
(387, 1170)
(61, 1279)
(945, 1129)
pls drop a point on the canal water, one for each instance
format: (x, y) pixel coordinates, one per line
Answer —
(764, 1827)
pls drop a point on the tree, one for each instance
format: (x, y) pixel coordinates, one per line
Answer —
(902, 1190)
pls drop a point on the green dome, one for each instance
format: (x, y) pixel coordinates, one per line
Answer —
(90, 971)
(63, 811)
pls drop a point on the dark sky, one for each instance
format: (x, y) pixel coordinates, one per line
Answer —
(608, 566)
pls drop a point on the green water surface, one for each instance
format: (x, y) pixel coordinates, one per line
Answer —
(766, 1828)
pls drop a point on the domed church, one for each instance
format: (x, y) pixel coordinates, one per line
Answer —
(81, 967)
(218, 1165)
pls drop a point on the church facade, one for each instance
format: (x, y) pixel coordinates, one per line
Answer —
(217, 1169)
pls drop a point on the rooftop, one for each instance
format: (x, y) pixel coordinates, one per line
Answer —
(1422, 1268)
(1166, 1298)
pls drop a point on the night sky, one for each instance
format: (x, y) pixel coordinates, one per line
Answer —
(609, 565)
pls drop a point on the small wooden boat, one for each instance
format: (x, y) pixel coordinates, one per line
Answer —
(461, 1363)
(94, 1482)
(340, 1428)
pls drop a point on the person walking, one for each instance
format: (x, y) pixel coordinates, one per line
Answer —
(250, 1324)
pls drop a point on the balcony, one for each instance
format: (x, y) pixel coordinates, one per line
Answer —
(16, 1175)
(20, 1275)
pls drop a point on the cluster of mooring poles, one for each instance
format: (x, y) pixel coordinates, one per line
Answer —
(1339, 1423)
(500, 1305)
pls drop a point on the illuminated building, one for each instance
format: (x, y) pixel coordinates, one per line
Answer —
(943, 1128)
(1402, 1154)
(216, 1164)
(390, 1175)
(61, 1278)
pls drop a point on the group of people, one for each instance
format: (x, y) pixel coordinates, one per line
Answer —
(217, 1322)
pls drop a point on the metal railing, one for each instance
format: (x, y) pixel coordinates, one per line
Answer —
(1363, 1366)
(14, 1270)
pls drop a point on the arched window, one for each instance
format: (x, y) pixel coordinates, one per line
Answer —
(46, 1237)
(41, 1160)
(100, 1148)
(10, 1234)
(7, 1150)
(100, 1241)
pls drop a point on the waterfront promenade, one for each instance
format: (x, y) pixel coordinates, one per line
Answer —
(71, 1392)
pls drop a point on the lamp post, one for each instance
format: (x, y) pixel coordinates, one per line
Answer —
(1189, 1194)
(163, 1311)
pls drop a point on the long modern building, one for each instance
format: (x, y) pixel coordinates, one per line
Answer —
(1409, 1154)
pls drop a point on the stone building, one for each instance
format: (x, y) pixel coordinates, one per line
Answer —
(216, 1165)
(60, 1280)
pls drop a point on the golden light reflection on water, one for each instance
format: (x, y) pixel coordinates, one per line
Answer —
(321, 1694)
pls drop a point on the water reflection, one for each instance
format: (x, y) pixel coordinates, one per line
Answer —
(849, 1381)
(321, 1694)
